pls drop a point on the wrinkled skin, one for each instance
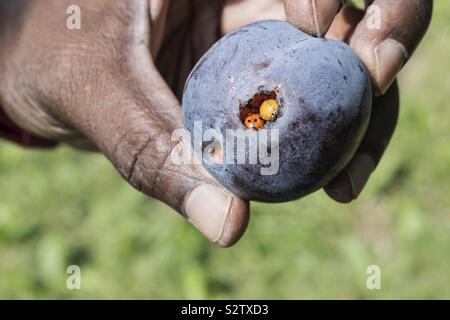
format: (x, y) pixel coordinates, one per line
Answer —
(326, 98)
(112, 86)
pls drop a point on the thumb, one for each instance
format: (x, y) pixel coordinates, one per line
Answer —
(100, 81)
(133, 126)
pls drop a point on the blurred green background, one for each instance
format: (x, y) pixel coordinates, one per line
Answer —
(64, 207)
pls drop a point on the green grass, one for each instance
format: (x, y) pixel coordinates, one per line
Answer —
(64, 207)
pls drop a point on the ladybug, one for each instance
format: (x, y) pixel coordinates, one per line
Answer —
(269, 109)
(254, 121)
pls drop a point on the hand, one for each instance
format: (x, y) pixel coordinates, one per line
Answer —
(384, 36)
(99, 88)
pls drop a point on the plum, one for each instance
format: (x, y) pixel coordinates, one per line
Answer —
(310, 101)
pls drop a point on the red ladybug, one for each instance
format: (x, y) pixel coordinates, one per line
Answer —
(254, 121)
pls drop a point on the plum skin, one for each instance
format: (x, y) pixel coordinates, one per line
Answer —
(325, 95)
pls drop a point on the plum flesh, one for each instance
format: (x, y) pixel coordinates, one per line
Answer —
(323, 91)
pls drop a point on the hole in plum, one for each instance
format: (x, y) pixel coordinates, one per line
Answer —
(253, 116)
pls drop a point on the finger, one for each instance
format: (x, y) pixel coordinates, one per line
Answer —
(388, 35)
(349, 183)
(130, 113)
(312, 16)
(237, 13)
(345, 23)
(140, 145)
(158, 17)
(133, 126)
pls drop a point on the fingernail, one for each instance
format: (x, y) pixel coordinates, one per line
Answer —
(348, 185)
(220, 217)
(339, 189)
(390, 57)
(359, 171)
(323, 12)
(312, 16)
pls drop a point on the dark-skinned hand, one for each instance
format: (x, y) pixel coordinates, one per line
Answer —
(114, 85)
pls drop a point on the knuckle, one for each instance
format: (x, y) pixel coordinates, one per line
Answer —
(141, 157)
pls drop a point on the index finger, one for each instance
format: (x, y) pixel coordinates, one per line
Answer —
(388, 35)
(312, 16)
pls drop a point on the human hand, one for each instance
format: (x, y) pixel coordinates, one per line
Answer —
(99, 88)
(384, 36)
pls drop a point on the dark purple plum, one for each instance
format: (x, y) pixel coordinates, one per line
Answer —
(324, 96)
